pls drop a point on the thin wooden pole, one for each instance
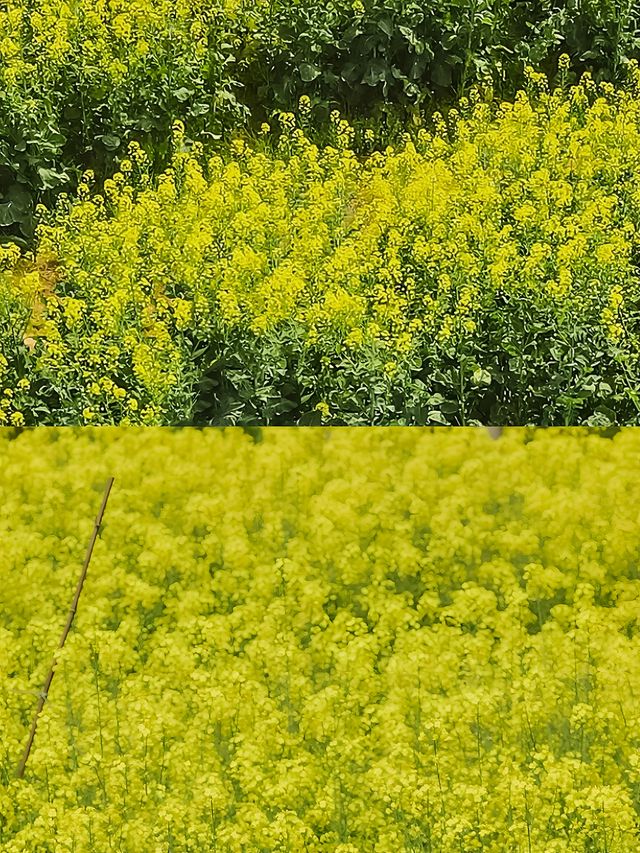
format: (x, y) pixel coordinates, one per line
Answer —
(72, 612)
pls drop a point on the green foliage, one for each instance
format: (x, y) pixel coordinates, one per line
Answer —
(357, 55)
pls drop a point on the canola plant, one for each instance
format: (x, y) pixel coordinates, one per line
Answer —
(356, 641)
(483, 270)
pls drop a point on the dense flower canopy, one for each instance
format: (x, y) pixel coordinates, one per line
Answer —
(325, 640)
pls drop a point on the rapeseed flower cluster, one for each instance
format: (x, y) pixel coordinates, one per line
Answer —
(328, 640)
(500, 244)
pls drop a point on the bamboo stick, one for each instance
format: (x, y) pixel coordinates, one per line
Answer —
(72, 612)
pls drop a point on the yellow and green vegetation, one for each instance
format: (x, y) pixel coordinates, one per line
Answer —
(324, 640)
(298, 212)
(484, 269)
(81, 78)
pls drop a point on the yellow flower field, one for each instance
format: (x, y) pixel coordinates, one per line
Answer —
(322, 640)
(483, 270)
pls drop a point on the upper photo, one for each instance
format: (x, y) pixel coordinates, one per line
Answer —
(343, 212)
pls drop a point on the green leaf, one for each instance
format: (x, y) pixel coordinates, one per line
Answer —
(350, 72)
(481, 377)
(435, 400)
(200, 109)
(376, 72)
(50, 178)
(308, 72)
(441, 75)
(9, 214)
(110, 141)
(386, 26)
(19, 195)
(16, 205)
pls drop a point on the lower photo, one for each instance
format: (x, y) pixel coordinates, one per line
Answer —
(333, 640)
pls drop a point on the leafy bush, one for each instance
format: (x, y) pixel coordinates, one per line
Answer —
(332, 641)
(483, 272)
(78, 80)
(355, 54)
